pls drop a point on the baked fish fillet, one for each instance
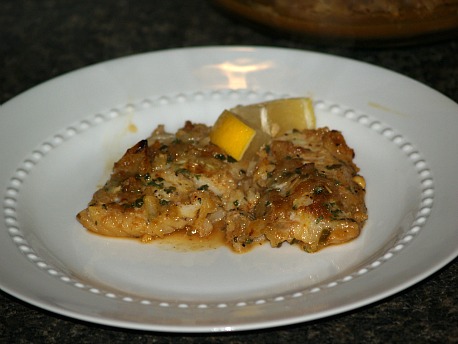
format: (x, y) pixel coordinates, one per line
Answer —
(303, 188)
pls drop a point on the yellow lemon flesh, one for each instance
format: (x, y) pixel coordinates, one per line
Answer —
(276, 117)
(232, 135)
(267, 120)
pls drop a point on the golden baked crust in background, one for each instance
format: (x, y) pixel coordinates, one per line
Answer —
(387, 21)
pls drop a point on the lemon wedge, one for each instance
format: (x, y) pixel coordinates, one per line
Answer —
(232, 135)
(278, 116)
(243, 130)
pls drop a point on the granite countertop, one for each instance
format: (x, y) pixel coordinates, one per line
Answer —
(44, 39)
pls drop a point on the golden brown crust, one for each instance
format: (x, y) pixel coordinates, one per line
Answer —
(299, 189)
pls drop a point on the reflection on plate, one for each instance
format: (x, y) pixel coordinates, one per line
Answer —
(55, 167)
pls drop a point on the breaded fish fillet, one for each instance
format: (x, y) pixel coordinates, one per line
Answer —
(301, 188)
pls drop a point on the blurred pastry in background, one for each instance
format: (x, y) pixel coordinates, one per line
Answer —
(369, 21)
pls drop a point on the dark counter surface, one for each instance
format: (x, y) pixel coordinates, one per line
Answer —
(43, 39)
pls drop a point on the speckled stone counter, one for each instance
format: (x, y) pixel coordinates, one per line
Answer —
(43, 39)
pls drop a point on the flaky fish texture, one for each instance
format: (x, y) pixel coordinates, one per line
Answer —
(303, 188)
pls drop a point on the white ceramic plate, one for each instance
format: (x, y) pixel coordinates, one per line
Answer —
(58, 142)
